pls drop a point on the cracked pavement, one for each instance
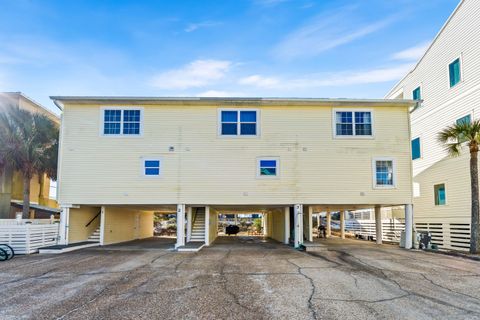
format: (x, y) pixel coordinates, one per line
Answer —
(240, 278)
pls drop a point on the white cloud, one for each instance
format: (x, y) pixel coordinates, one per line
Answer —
(219, 93)
(325, 32)
(259, 81)
(205, 24)
(198, 73)
(412, 53)
(335, 79)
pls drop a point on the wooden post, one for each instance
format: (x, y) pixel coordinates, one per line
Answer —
(329, 224)
(342, 224)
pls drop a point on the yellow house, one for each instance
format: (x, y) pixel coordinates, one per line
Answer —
(123, 158)
(42, 190)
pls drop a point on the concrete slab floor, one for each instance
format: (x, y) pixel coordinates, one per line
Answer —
(241, 278)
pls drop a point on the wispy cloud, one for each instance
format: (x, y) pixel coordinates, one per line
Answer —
(198, 73)
(327, 31)
(334, 79)
(205, 24)
(220, 93)
(412, 53)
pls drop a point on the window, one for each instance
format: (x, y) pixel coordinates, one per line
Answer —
(267, 167)
(238, 123)
(353, 123)
(384, 173)
(52, 192)
(440, 195)
(417, 94)
(454, 72)
(122, 121)
(416, 149)
(152, 167)
(466, 120)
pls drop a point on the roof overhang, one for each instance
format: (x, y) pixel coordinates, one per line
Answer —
(61, 100)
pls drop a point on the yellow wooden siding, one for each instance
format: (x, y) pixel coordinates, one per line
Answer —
(78, 218)
(121, 224)
(455, 174)
(278, 225)
(208, 169)
(213, 226)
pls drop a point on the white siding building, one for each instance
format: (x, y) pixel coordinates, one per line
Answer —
(447, 79)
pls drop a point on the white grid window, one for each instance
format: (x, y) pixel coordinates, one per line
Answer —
(238, 122)
(353, 123)
(122, 121)
(384, 173)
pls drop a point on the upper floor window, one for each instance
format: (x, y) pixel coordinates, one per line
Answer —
(122, 121)
(416, 149)
(465, 120)
(151, 167)
(454, 72)
(417, 94)
(238, 122)
(440, 194)
(267, 167)
(384, 173)
(353, 123)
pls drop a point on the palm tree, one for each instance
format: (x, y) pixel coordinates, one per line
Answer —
(29, 144)
(455, 137)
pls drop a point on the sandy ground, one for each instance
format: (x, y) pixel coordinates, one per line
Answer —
(240, 278)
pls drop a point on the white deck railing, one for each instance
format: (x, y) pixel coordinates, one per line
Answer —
(27, 221)
(391, 228)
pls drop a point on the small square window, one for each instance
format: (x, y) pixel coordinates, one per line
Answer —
(416, 149)
(440, 194)
(454, 72)
(267, 167)
(152, 167)
(384, 173)
(417, 94)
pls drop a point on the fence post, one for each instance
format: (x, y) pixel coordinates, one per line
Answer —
(27, 239)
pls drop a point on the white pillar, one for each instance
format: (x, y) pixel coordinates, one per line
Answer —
(378, 225)
(265, 223)
(180, 225)
(287, 225)
(189, 224)
(329, 224)
(207, 225)
(102, 226)
(236, 219)
(310, 223)
(318, 220)
(408, 226)
(298, 220)
(342, 224)
(64, 220)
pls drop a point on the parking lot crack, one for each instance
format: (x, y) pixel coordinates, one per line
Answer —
(313, 290)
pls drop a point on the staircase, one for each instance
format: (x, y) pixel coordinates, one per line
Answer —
(198, 228)
(95, 236)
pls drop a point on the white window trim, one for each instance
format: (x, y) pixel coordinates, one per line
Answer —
(334, 123)
(142, 165)
(121, 134)
(374, 173)
(238, 135)
(421, 147)
(277, 159)
(460, 58)
(446, 197)
(421, 91)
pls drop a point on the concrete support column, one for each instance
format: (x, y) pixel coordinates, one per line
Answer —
(236, 219)
(207, 225)
(189, 224)
(64, 220)
(329, 224)
(298, 220)
(310, 224)
(318, 220)
(378, 225)
(287, 225)
(408, 226)
(102, 225)
(180, 225)
(342, 223)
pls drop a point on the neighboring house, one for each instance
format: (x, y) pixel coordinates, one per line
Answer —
(447, 80)
(42, 189)
(124, 158)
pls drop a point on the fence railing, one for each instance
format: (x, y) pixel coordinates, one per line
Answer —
(27, 238)
(27, 221)
(391, 228)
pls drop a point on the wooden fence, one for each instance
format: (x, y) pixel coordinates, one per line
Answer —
(27, 238)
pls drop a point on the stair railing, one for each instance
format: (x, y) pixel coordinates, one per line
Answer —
(90, 222)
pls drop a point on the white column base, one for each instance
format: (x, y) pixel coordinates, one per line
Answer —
(408, 226)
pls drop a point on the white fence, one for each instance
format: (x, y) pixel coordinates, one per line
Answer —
(452, 236)
(27, 238)
(391, 228)
(27, 221)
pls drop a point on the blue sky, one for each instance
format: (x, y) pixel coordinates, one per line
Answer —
(268, 48)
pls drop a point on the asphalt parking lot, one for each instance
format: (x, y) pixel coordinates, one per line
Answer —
(240, 278)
